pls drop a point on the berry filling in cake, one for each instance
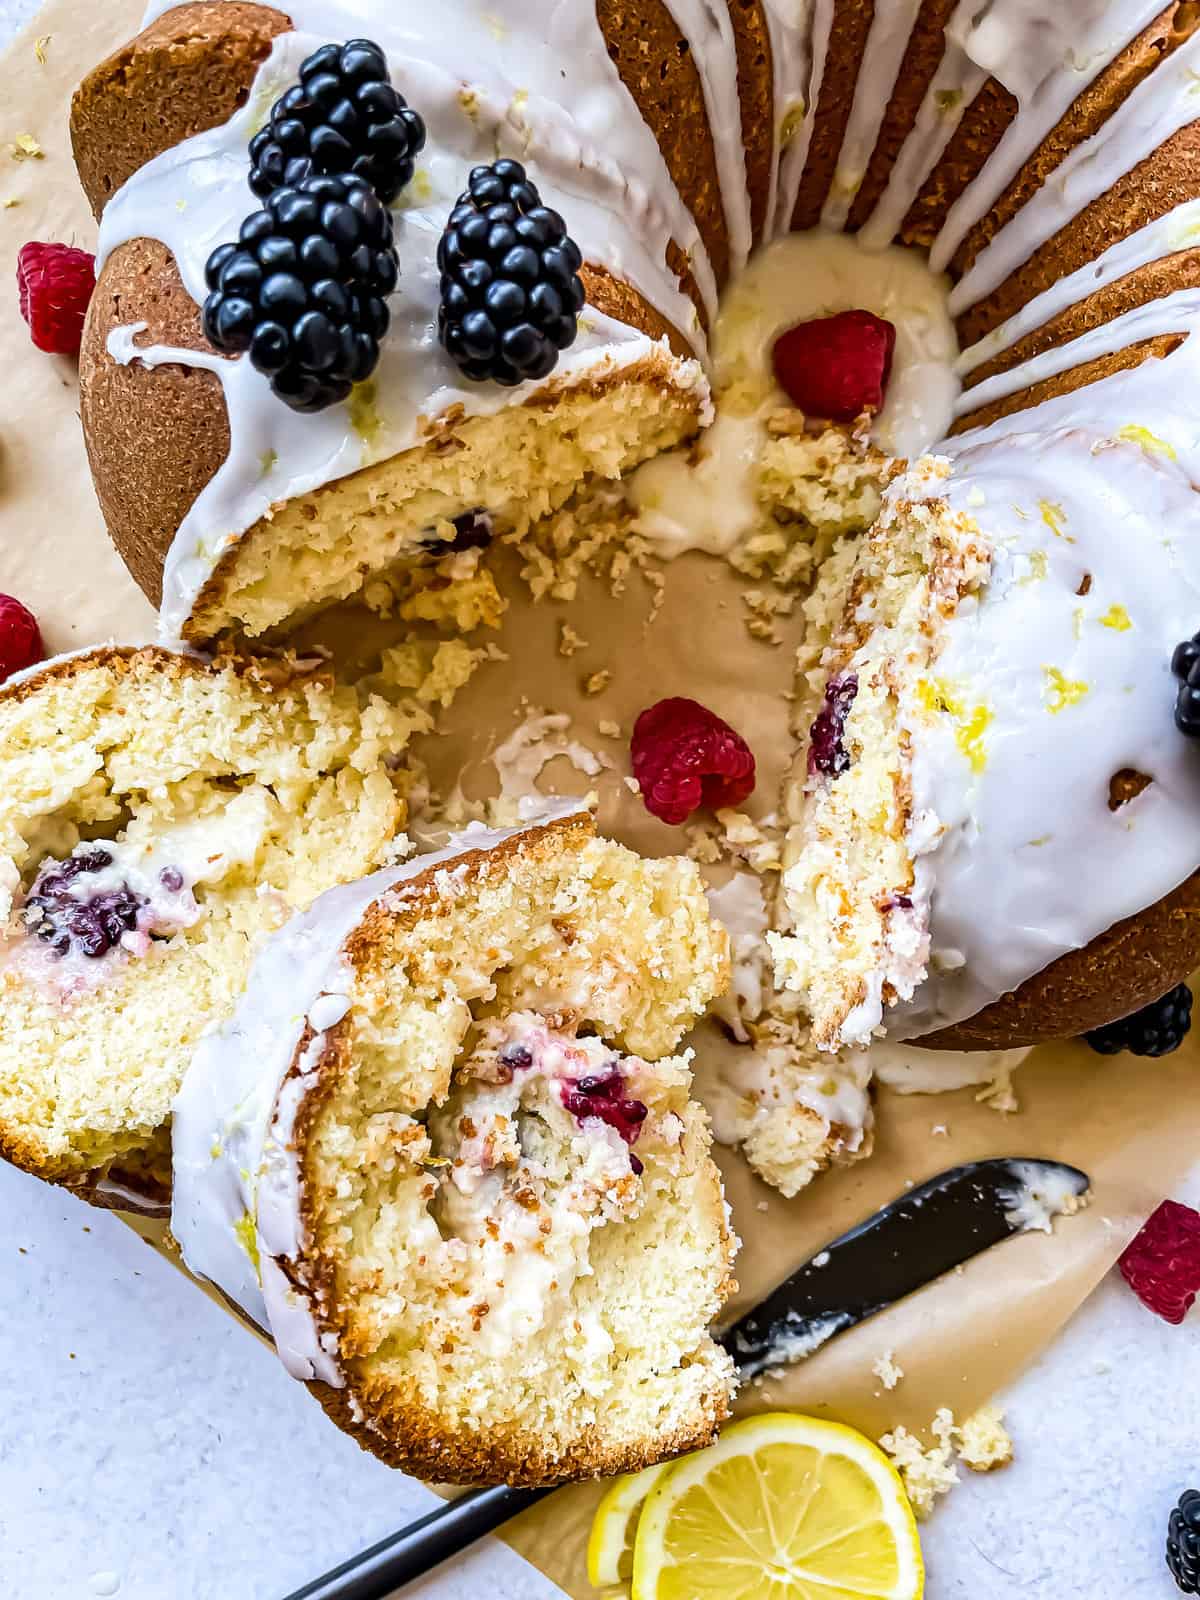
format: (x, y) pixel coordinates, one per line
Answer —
(532, 1151)
(102, 898)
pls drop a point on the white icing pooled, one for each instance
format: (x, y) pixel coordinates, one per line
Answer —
(235, 1207)
(704, 498)
(741, 908)
(539, 739)
(1040, 1194)
(911, 1070)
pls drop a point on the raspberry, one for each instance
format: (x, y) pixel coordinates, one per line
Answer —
(1162, 1265)
(685, 756)
(836, 367)
(55, 283)
(20, 639)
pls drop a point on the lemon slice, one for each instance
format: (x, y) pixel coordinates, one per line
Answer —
(610, 1544)
(781, 1506)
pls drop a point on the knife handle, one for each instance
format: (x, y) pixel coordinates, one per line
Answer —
(415, 1550)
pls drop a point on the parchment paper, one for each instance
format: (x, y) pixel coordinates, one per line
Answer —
(1132, 1125)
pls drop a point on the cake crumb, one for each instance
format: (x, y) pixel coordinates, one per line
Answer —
(610, 730)
(925, 1473)
(39, 48)
(887, 1370)
(983, 1441)
(597, 682)
(569, 642)
(26, 148)
(999, 1095)
(940, 1131)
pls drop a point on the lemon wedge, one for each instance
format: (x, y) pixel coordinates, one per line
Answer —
(781, 1506)
(610, 1544)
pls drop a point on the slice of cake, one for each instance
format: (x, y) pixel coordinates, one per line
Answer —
(158, 816)
(444, 1154)
(993, 833)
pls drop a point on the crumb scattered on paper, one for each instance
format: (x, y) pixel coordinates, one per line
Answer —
(569, 641)
(981, 1443)
(26, 148)
(999, 1094)
(887, 1371)
(597, 682)
(39, 48)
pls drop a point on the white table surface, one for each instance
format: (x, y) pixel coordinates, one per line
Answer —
(151, 1449)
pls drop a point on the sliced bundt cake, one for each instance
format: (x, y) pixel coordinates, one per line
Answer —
(159, 815)
(993, 837)
(230, 543)
(442, 1152)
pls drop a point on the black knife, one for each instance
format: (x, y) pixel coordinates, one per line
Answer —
(926, 1233)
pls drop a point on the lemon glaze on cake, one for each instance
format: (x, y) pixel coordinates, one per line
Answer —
(347, 1166)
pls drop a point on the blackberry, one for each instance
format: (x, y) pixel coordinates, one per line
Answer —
(1155, 1030)
(304, 289)
(1183, 1542)
(57, 913)
(1185, 664)
(826, 752)
(510, 286)
(343, 116)
(473, 530)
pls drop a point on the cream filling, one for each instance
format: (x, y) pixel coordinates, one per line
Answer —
(236, 1201)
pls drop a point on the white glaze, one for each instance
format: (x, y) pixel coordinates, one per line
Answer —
(580, 135)
(705, 498)
(236, 1176)
(1031, 862)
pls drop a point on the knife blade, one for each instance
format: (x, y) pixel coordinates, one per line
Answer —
(911, 1242)
(915, 1240)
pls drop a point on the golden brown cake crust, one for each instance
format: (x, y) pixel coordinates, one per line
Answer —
(1067, 382)
(1136, 288)
(1127, 967)
(657, 68)
(154, 435)
(982, 127)
(189, 70)
(851, 24)
(756, 92)
(1167, 178)
(1083, 119)
(922, 57)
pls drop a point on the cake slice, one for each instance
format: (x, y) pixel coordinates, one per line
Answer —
(159, 816)
(444, 1154)
(992, 837)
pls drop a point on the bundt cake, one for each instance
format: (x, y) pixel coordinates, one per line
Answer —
(159, 816)
(1046, 163)
(443, 1154)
